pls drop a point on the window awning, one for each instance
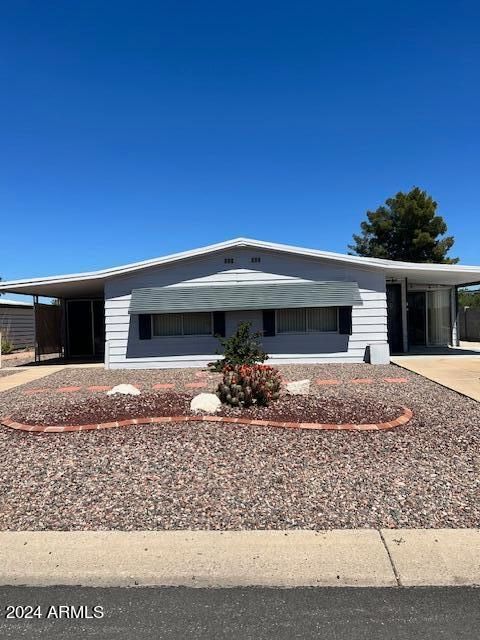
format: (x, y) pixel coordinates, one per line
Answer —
(235, 297)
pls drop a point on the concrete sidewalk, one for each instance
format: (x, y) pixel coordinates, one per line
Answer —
(460, 373)
(363, 558)
(27, 374)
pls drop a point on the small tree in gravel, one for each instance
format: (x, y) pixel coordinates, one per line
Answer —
(243, 347)
(7, 345)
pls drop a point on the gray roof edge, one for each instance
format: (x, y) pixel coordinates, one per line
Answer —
(359, 261)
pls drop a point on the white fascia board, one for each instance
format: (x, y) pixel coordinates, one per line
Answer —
(14, 303)
(115, 271)
(371, 263)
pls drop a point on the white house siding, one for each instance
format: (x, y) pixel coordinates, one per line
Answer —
(17, 325)
(125, 350)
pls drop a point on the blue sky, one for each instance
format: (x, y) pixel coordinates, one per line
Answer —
(134, 129)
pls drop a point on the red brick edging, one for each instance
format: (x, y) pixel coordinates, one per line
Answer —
(402, 419)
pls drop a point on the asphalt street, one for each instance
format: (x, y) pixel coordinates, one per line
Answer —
(451, 613)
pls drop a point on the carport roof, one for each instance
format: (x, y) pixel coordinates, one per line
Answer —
(92, 283)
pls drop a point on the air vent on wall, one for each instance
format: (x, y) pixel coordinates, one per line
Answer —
(229, 260)
(255, 259)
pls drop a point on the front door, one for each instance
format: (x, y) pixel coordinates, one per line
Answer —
(394, 318)
(85, 328)
(417, 318)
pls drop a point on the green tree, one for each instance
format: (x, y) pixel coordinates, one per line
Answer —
(243, 347)
(405, 228)
(469, 298)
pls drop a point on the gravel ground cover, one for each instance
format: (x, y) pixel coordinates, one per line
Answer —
(18, 358)
(145, 378)
(103, 408)
(4, 373)
(214, 476)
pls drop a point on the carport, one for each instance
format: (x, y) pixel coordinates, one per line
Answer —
(69, 316)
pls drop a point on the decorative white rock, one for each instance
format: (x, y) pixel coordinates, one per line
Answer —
(298, 388)
(125, 389)
(206, 403)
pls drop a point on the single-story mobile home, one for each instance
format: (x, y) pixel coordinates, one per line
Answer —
(310, 305)
(16, 323)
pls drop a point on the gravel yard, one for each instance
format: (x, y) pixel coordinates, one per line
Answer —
(18, 358)
(4, 373)
(87, 410)
(213, 476)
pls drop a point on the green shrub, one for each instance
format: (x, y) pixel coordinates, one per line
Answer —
(469, 298)
(7, 346)
(243, 347)
(244, 385)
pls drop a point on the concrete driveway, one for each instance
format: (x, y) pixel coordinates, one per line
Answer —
(458, 372)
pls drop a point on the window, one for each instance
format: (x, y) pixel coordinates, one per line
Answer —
(167, 324)
(291, 321)
(313, 320)
(255, 259)
(197, 324)
(182, 324)
(322, 319)
(228, 260)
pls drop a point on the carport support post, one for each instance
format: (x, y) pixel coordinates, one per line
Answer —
(454, 308)
(404, 290)
(37, 352)
(107, 354)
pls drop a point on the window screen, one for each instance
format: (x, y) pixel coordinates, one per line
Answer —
(167, 324)
(291, 321)
(314, 320)
(197, 324)
(182, 324)
(322, 319)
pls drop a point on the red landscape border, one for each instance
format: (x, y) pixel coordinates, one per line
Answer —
(405, 417)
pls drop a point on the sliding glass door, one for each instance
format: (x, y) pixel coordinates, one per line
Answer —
(429, 318)
(439, 318)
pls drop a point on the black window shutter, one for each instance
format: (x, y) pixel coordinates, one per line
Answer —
(219, 323)
(268, 322)
(345, 320)
(145, 326)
